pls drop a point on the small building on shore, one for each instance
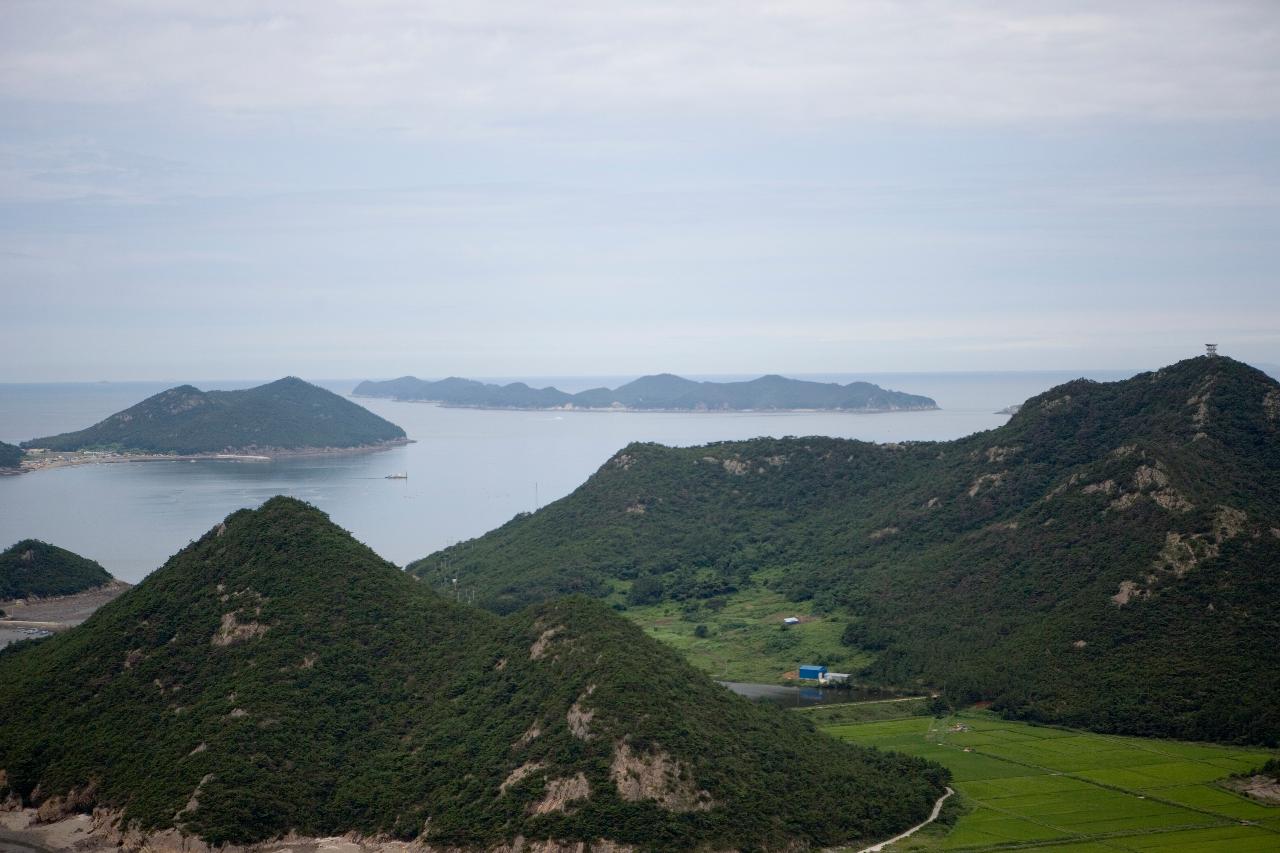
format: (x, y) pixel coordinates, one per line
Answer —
(813, 672)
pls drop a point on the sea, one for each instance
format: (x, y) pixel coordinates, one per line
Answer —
(469, 470)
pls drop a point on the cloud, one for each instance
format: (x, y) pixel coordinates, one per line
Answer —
(440, 67)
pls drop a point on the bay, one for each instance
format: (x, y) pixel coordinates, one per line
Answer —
(469, 470)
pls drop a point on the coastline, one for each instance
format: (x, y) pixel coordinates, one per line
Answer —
(628, 410)
(27, 617)
(68, 459)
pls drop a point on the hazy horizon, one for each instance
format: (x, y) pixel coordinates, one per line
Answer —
(610, 379)
(711, 187)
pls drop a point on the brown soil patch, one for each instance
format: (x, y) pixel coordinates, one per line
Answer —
(234, 631)
(1181, 554)
(1000, 454)
(561, 794)
(1128, 591)
(1172, 500)
(1125, 501)
(579, 718)
(1148, 477)
(59, 807)
(63, 610)
(658, 777)
(1271, 406)
(1056, 404)
(530, 734)
(986, 481)
(522, 772)
(1228, 523)
(1262, 788)
(539, 648)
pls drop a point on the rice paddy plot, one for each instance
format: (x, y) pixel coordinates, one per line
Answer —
(1041, 788)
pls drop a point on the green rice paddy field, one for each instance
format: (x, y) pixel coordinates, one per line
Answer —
(1039, 788)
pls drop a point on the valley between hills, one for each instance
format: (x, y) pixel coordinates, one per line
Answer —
(1074, 610)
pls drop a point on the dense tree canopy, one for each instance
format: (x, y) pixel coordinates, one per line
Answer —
(1102, 560)
(10, 455)
(281, 676)
(34, 568)
(663, 391)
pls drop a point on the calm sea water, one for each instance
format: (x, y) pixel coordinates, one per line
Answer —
(469, 470)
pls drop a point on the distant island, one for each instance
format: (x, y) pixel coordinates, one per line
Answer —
(662, 392)
(1107, 558)
(279, 418)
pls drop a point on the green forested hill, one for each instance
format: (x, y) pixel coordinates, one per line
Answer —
(1109, 558)
(34, 568)
(288, 414)
(10, 455)
(663, 391)
(277, 675)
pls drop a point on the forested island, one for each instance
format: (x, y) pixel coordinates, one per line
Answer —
(288, 415)
(32, 568)
(662, 392)
(276, 677)
(10, 456)
(1106, 559)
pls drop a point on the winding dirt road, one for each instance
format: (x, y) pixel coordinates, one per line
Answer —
(937, 809)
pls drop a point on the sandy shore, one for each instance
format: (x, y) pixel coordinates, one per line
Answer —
(58, 459)
(26, 615)
(21, 832)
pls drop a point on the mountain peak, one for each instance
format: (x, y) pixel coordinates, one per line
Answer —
(35, 568)
(287, 414)
(278, 676)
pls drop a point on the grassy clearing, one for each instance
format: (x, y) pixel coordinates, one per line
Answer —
(1037, 788)
(745, 640)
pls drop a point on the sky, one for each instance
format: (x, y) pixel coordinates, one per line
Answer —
(368, 189)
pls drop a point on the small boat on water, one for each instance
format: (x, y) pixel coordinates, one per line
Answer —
(397, 476)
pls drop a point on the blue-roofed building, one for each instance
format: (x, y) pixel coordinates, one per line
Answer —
(813, 672)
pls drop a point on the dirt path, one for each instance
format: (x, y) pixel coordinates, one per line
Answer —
(937, 809)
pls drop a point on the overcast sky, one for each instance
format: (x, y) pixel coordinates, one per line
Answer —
(346, 189)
